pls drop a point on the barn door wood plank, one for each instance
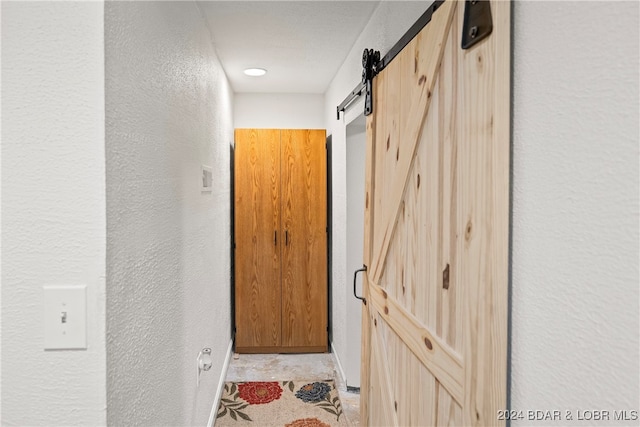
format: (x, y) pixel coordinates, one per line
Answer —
(384, 371)
(431, 42)
(449, 308)
(365, 349)
(380, 413)
(484, 200)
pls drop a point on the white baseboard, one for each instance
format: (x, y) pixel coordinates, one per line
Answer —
(223, 375)
(341, 371)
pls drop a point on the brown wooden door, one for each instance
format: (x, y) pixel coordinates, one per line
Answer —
(437, 229)
(280, 241)
(257, 226)
(304, 254)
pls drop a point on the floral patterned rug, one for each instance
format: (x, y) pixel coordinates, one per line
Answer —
(281, 403)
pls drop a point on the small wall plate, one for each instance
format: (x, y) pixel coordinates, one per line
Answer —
(65, 317)
(206, 178)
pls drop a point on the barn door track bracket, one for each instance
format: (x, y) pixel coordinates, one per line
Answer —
(477, 22)
(370, 60)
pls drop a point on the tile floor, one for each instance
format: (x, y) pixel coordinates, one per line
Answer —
(279, 367)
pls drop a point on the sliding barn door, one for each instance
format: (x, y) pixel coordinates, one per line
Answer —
(257, 227)
(304, 253)
(437, 229)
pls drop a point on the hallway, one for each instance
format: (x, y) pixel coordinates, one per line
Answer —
(112, 112)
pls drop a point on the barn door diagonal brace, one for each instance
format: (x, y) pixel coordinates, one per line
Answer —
(477, 22)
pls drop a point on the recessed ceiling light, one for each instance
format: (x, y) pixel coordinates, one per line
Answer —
(255, 72)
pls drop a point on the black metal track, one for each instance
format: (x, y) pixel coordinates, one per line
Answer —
(409, 35)
(349, 99)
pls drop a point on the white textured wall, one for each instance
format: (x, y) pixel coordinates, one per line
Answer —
(53, 207)
(0, 224)
(169, 110)
(575, 207)
(279, 111)
(388, 23)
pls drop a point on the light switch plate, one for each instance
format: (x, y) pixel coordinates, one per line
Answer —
(207, 178)
(65, 317)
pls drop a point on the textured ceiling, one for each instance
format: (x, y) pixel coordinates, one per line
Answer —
(300, 43)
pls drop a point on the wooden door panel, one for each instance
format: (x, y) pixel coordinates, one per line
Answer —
(384, 376)
(380, 414)
(304, 267)
(483, 218)
(436, 229)
(449, 412)
(450, 305)
(419, 401)
(257, 220)
(426, 50)
(442, 361)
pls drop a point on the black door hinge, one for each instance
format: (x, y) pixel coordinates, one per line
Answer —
(477, 22)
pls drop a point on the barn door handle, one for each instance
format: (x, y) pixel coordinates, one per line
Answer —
(286, 237)
(355, 277)
(275, 237)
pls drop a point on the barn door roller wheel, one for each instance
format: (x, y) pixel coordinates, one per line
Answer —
(370, 59)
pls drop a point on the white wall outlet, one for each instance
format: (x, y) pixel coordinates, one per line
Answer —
(65, 317)
(203, 362)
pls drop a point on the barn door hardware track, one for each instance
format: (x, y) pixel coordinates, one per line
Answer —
(370, 59)
(477, 26)
(372, 63)
(477, 22)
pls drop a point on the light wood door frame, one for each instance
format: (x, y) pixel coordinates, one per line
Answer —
(437, 229)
